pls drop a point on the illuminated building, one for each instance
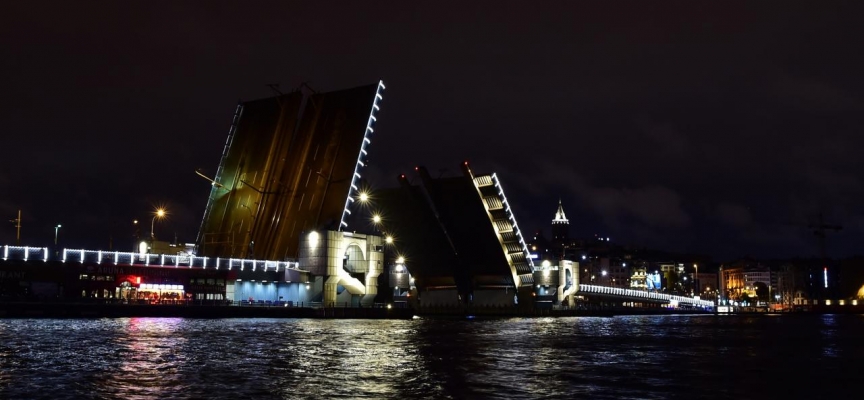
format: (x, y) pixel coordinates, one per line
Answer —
(560, 227)
(747, 281)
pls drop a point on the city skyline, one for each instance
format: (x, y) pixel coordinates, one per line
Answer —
(690, 129)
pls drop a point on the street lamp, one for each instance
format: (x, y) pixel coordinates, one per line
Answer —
(160, 213)
(56, 231)
(696, 280)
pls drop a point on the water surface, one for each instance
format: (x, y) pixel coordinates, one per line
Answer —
(644, 357)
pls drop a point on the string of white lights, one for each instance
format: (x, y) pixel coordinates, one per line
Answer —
(366, 141)
(512, 218)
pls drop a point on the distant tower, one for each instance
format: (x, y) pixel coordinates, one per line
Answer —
(560, 226)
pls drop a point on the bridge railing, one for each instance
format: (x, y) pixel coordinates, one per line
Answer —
(638, 294)
(26, 253)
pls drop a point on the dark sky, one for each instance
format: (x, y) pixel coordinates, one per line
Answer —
(718, 128)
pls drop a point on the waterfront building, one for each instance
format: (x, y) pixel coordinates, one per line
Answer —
(639, 277)
(705, 284)
(747, 281)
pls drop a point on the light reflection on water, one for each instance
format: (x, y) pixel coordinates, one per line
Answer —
(645, 357)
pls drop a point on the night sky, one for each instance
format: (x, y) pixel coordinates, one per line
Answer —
(721, 129)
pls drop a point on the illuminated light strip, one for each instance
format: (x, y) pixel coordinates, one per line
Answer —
(372, 119)
(515, 225)
(825, 274)
(103, 256)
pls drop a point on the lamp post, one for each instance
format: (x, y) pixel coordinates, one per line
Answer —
(696, 282)
(56, 232)
(159, 214)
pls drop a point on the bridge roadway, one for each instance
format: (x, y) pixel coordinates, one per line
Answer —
(639, 296)
(25, 253)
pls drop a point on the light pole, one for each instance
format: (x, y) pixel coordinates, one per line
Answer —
(56, 231)
(696, 282)
(159, 214)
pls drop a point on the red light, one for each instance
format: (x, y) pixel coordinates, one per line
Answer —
(416, 168)
(402, 176)
(466, 162)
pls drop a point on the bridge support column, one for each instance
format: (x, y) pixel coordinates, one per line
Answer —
(330, 291)
(375, 267)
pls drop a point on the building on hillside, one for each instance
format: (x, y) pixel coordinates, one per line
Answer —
(560, 229)
(706, 285)
(747, 281)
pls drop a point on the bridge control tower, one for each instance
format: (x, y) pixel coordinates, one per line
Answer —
(345, 266)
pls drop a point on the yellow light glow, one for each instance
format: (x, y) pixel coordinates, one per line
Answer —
(400, 260)
(160, 212)
(364, 196)
(389, 239)
(376, 218)
(314, 238)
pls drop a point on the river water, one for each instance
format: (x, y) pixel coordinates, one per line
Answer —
(640, 357)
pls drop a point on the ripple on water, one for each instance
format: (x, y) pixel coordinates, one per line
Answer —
(645, 357)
